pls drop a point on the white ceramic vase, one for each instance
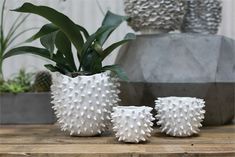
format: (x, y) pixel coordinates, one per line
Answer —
(180, 116)
(155, 15)
(132, 124)
(83, 104)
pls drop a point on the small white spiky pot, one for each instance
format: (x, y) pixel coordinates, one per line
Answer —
(154, 16)
(180, 116)
(83, 104)
(132, 124)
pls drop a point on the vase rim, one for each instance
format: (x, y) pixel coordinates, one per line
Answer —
(133, 107)
(178, 98)
(81, 76)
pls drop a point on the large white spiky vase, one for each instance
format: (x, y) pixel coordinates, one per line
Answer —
(180, 116)
(155, 16)
(132, 124)
(203, 16)
(83, 104)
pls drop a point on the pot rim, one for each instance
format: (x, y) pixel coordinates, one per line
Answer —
(80, 76)
(133, 108)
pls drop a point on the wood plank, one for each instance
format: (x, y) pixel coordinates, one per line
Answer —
(114, 149)
(49, 141)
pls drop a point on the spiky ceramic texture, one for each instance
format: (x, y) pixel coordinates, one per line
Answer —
(203, 16)
(83, 104)
(132, 124)
(180, 116)
(155, 15)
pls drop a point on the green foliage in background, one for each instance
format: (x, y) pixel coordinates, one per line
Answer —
(21, 83)
(58, 37)
(27, 82)
(7, 39)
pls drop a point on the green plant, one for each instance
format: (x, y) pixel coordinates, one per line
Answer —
(7, 39)
(62, 33)
(42, 82)
(19, 84)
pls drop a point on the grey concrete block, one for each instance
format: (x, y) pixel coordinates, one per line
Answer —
(26, 108)
(179, 58)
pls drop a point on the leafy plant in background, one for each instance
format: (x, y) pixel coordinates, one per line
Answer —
(58, 37)
(7, 39)
(22, 82)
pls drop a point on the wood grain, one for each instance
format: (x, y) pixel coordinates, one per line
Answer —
(47, 140)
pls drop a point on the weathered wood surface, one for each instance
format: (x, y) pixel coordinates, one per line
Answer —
(47, 140)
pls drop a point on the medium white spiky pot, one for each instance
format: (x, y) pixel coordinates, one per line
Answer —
(83, 104)
(180, 116)
(132, 124)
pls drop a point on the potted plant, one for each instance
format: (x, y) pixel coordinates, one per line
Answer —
(83, 96)
(20, 103)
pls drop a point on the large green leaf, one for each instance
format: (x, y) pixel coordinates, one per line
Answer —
(53, 68)
(117, 70)
(63, 22)
(64, 46)
(50, 28)
(113, 20)
(37, 51)
(45, 30)
(111, 48)
(28, 50)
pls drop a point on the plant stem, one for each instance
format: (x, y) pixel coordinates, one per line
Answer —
(1, 69)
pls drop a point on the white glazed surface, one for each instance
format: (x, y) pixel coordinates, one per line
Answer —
(83, 104)
(132, 124)
(180, 116)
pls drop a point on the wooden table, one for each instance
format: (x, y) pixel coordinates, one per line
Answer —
(47, 140)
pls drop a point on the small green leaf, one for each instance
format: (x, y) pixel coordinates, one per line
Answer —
(92, 62)
(118, 71)
(111, 48)
(113, 20)
(48, 41)
(51, 67)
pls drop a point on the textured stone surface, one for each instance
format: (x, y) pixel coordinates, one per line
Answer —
(203, 16)
(190, 65)
(179, 58)
(26, 108)
(155, 15)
